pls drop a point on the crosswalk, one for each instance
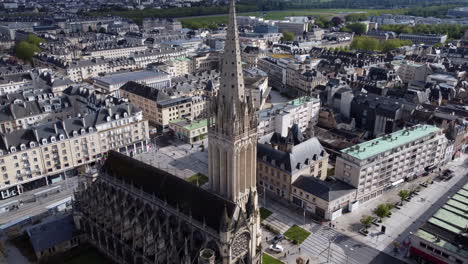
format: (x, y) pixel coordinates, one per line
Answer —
(317, 244)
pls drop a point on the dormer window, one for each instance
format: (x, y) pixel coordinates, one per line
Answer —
(52, 139)
(75, 133)
(23, 146)
(61, 137)
(108, 118)
(1, 152)
(117, 116)
(82, 131)
(90, 130)
(32, 145)
(44, 141)
(13, 149)
(125, 114)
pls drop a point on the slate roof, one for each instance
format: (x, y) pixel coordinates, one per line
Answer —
(325, 190)
(144, 91)
(307, 151)
(51, 233)
(202, 205)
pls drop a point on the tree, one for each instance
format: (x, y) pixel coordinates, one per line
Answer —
(25, 50)
(34, 40)
(356, 17)
(382, 211)
(102, 30)
(366, 221)
(357, 28)
(365, 43)
(336, 21)
(288, 36)
(403, 194)
(393, 44)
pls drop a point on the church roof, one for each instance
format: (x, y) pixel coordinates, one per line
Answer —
(178, 193)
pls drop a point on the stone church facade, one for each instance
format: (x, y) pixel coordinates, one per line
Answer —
(135, 213)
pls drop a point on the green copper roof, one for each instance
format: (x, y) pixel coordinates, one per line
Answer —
(190, 125)
(450, 217)
(382, 144)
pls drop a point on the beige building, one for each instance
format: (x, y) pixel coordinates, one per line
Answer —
(282, 160)
(177, 67)
(324, 199)
(159, 108)
(303, 79)
(376, 166)
(114, 52)
(206, 62)
(410, 71)
(41, 155)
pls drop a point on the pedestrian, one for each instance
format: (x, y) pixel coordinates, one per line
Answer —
(288, 252)
(284, 255)
(299, 250)
(307, 262)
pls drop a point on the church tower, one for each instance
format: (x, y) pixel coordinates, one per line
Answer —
(232, 153)
(233, 128)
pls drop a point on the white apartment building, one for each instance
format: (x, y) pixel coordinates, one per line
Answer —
(177, 67)
(303, 111)
(159, 55)
(15, 82)
(111, 53)
(410, 71)
(377, 165)
(85, 69)
(37, 156)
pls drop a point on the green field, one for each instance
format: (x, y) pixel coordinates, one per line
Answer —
(215, 20)
(267, 259)
(264, 213)
(296, 233)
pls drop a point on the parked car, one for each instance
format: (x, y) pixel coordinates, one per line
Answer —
(276, 248)
(277, 238)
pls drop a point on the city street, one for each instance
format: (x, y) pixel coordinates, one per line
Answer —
(36, 202)
(348, 246)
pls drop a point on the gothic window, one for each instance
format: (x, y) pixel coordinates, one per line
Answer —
(240, 245)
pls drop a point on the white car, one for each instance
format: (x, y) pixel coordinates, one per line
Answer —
(276, 248)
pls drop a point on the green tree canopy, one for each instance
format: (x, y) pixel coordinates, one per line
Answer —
(34, 40)
(403, 194)
(393, 44)
(365, 43)
(357, 28)
(356, 17)
(383, 210)
(288, 36)
(366, 221)
(25, 50)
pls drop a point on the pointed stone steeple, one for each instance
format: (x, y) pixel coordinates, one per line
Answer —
(234, 112)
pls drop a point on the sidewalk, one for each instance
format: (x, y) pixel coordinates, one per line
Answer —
(406, 219)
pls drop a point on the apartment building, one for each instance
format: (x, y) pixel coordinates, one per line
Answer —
(145, 98)
(206, 62)
(111, 52)
(282, 160)
(178, 108)
(158, 55)
(81, 70)
(429, 39)
(111, 84)
(410, 71)
(303, 80)
(34, 157)
(177, 67)
(303, 111)
(159, 108)
(13, 83)
(376, 166)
